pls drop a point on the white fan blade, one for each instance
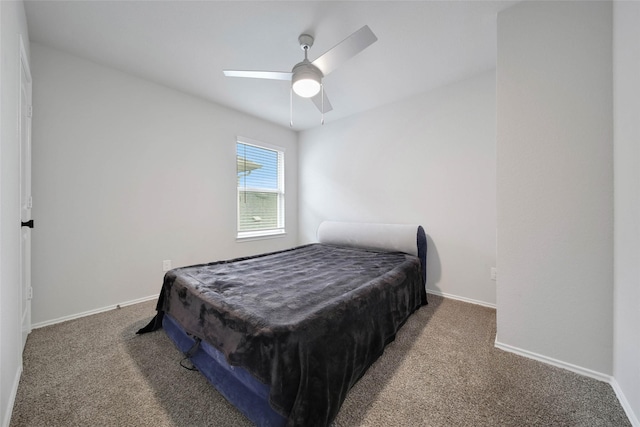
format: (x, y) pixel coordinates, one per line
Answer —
(345, 50)
(273, 75)
(317, 100)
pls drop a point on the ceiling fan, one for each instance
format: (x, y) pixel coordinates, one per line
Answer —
(306, 76)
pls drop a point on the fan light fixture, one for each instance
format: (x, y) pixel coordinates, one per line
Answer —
(306, 80)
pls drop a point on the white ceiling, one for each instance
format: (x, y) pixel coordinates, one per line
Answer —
(186, 45)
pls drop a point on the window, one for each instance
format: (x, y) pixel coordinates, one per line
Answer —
(260, 169)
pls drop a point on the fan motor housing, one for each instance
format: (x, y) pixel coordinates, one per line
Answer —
(305, 67)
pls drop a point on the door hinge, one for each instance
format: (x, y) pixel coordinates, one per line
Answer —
(30, 202)
(30, 293)
(30, 111)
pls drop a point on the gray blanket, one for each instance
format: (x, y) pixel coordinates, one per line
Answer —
(308, 321)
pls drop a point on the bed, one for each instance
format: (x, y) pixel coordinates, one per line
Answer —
(285, 335)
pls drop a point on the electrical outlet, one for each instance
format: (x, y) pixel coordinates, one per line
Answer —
(166, 265)
(494, 273)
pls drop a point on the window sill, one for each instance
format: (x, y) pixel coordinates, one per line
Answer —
(260, 235)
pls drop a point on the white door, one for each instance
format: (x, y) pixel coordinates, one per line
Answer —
(25, 193)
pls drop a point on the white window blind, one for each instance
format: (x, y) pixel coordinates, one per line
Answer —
(260, 171)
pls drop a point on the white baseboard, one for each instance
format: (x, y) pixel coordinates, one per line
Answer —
(12, 398)
(625, 403)
(554, 362)
(578, 370)
(463, 299)
(90, 312)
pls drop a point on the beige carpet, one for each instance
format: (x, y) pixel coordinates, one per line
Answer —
(442, 370)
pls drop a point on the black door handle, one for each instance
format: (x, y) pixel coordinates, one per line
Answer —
(27, 224)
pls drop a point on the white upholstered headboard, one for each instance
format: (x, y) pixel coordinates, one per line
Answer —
(391, 237)
(408, 238)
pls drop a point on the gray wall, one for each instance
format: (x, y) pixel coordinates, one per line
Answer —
(429, 159)
(555, 183)
(126, 174)
(626, 350)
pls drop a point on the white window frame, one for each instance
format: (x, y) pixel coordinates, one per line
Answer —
(280, 228)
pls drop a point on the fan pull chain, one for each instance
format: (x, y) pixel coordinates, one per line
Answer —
(322, 103)
(291, 106)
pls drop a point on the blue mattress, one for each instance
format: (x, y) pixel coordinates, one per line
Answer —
(237, 385)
